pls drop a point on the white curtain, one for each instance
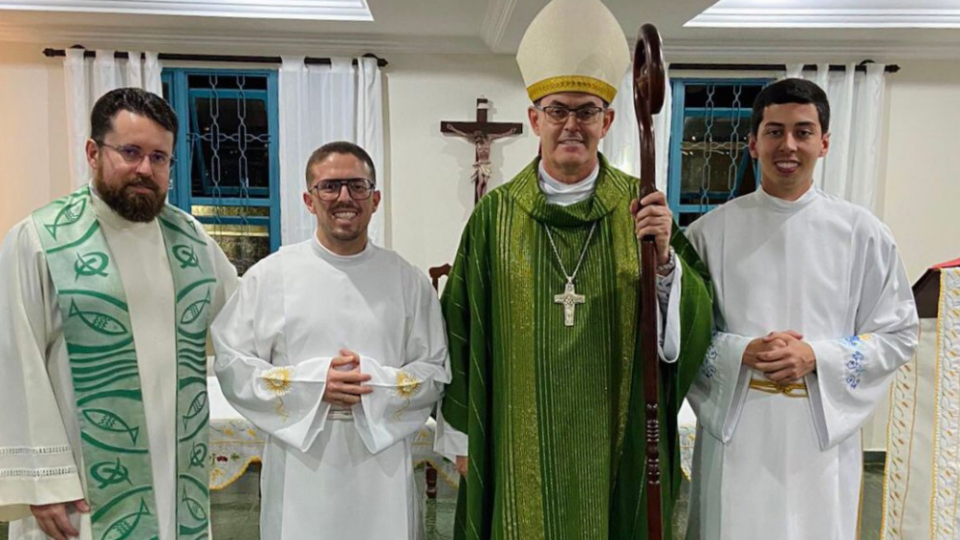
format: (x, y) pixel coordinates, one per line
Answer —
(621, 146)
(86, 80)
(318, 105)
(851, 169)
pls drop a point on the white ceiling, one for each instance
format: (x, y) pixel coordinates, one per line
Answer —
(831, 14)
(469, 27)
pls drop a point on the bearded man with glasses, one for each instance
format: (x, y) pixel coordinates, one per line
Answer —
(107, 295)
(335, 347)
(544, 413)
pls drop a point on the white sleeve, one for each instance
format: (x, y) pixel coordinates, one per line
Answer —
(36, 461)
(403, 397)
(668, 313)
(853, 373)
(226, 273)
(450, 442)
(284, 401)
(718, 392)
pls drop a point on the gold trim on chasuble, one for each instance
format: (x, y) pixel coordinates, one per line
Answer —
(522, 474)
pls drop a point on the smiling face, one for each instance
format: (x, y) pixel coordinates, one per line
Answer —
(569, 148)
(788, 144)
(341, 223)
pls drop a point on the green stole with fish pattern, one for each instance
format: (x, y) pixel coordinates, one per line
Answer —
(106, 378)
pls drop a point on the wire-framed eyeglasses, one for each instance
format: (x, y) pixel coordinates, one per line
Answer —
(360, 189)
(558, 114)
(133, 155)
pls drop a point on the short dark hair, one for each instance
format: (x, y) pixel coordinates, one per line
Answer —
(136, 101)
(341, 147)
(791, 91)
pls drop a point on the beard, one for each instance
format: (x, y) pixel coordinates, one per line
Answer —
(129, 204)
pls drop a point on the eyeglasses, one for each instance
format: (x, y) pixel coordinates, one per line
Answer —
(587, 114)
(133, 155)
(329, 190)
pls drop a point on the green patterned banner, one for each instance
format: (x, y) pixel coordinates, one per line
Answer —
(106, 377)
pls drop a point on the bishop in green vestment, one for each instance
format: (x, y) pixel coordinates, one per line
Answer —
(545, 410)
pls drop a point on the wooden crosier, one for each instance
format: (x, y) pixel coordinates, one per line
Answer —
(648, 96)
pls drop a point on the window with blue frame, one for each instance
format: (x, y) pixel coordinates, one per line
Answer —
(710, 161)
(227, 172)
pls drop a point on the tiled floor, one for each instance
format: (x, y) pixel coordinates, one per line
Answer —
(236, 510)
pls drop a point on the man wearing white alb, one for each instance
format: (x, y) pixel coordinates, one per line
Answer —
(336, 348)
(814, 315)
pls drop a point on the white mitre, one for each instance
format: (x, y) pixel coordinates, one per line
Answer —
(573, 46)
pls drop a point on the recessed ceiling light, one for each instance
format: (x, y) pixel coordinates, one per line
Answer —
(327, 10)
(830, 14)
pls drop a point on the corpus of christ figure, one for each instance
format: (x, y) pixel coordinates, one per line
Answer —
(482, 133)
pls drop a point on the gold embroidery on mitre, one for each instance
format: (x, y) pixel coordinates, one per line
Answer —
(572, 83)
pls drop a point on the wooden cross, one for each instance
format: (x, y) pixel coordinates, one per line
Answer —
(482, 133)
(569, 300)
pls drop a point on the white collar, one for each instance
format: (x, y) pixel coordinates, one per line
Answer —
(563, 194)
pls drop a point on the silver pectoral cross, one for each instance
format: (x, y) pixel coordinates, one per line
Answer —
(569, 300)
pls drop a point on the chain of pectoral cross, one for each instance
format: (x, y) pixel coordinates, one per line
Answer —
(569, 299)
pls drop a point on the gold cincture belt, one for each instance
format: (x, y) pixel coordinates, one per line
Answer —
(798, 390)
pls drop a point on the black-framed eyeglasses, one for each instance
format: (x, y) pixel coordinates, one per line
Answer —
(133, 155)
(588, 114)
(360, 189)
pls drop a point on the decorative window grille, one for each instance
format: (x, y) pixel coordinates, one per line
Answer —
(710, 160)
(227, 172)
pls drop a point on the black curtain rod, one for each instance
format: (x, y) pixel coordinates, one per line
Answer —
(892, 68)
(52, 53)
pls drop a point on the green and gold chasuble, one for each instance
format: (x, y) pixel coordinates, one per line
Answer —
(554, 413)
(106, 379)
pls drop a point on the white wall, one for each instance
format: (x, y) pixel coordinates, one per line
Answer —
(921, 175)
(922, 195)
(431, 194)
(33, 142)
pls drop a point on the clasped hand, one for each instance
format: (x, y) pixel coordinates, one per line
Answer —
(782, 357)
(343, 380)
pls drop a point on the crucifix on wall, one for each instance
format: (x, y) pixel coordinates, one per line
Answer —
(482, 133)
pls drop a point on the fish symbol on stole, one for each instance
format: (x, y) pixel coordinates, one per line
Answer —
(196, 407)
(124, 527)
(109, 421)
(68, 215)
(98, 322)
(194, 310)
(194, 507)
